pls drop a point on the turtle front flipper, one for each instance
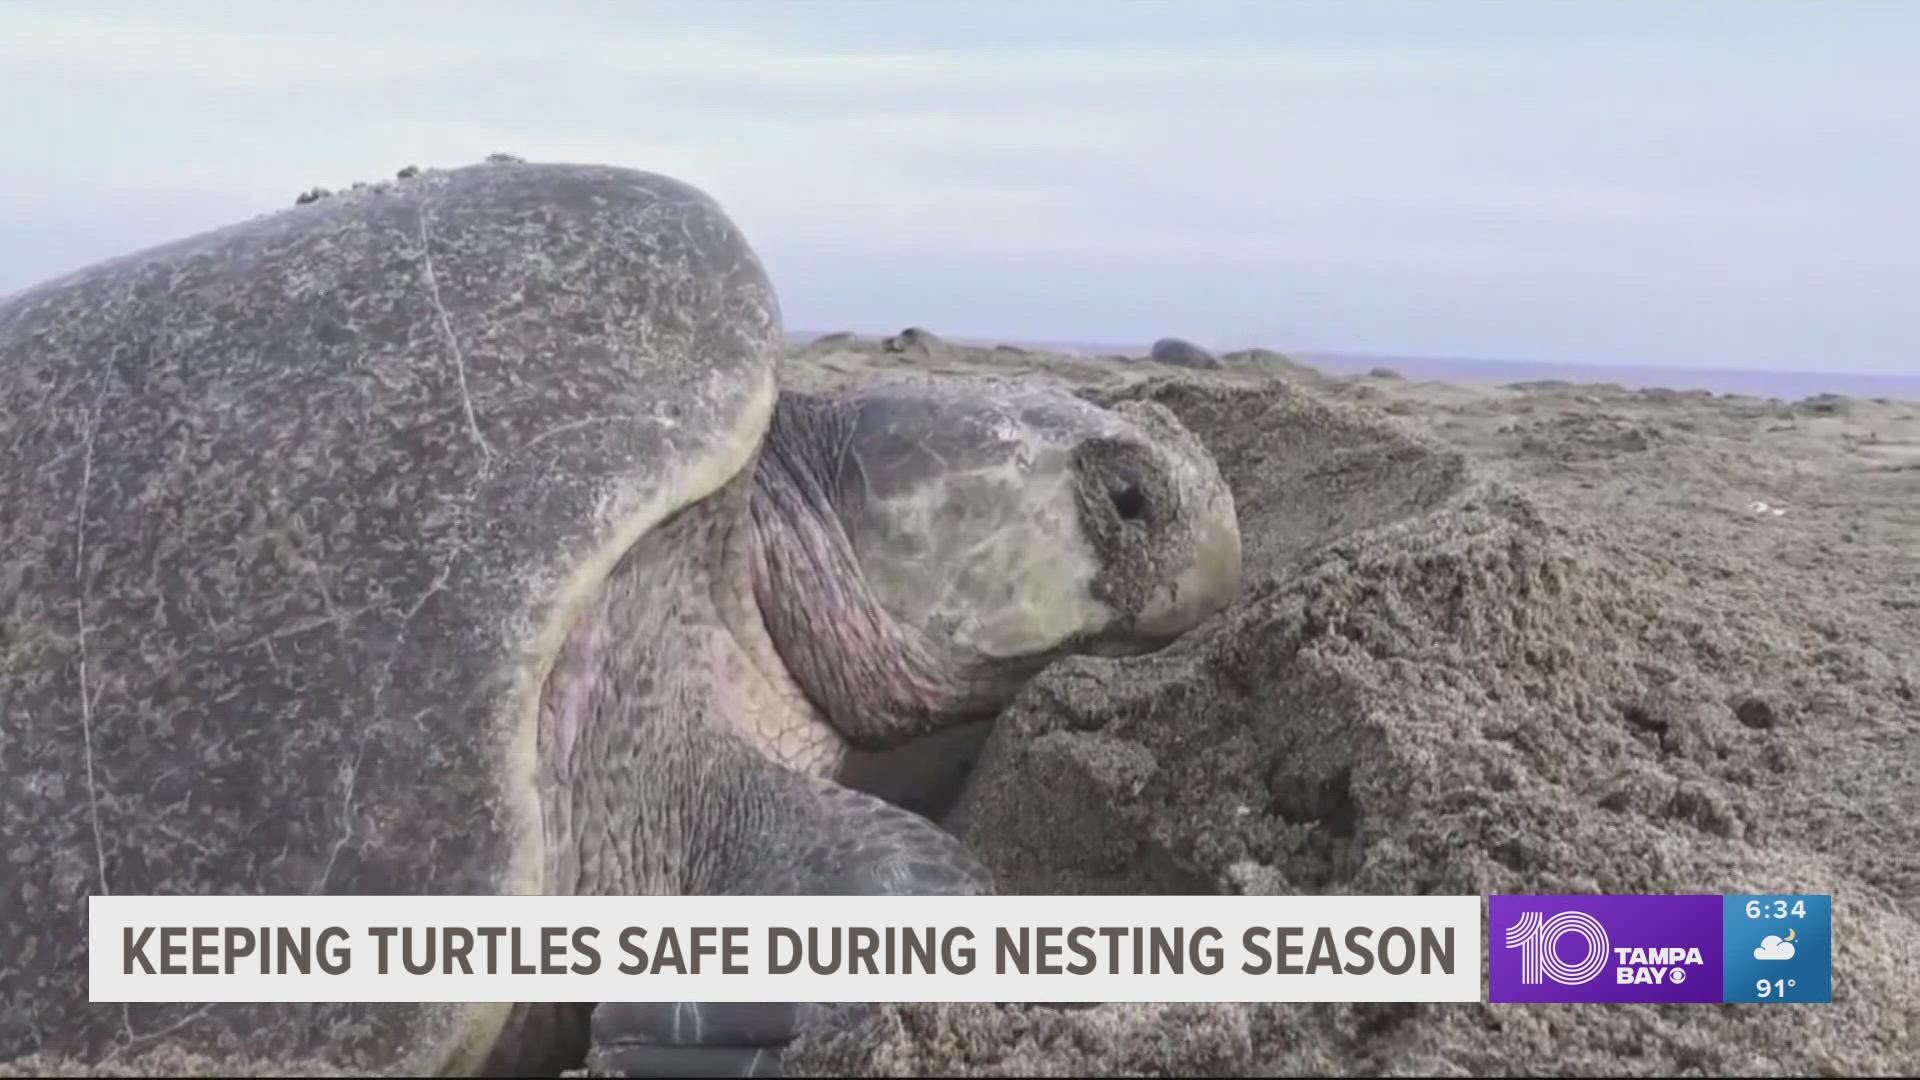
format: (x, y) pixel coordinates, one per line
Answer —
(833, 842)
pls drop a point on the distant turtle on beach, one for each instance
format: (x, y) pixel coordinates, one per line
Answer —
(1180, 352)
(455, 538)
(912, 339)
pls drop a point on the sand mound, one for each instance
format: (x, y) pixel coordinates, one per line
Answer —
(1435, 682)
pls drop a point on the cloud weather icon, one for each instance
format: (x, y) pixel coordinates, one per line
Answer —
(1775, 947)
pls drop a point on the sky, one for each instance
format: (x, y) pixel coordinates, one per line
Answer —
(1701, 185)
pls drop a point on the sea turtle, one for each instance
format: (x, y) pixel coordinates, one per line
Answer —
(1180, 352)
(452, 536)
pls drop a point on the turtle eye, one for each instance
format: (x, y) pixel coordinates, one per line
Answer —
(1128, 500)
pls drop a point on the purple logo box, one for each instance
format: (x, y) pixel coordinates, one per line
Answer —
(1605, 948)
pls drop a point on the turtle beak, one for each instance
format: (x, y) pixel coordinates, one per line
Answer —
(1208, 584)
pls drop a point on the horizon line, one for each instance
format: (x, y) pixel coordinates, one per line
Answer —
(1907, 385)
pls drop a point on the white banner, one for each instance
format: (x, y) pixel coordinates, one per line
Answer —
(784, 948)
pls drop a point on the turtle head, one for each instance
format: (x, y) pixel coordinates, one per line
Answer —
(989, 528)
(1013, 525)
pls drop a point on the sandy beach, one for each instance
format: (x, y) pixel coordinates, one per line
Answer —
(1547, 637)
(1543, 638)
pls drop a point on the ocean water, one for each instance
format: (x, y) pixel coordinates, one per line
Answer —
(1781, 385)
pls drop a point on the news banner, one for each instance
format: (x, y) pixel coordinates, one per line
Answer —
(1705, 948)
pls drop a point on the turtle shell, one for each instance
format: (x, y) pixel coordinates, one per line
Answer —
(294, 514)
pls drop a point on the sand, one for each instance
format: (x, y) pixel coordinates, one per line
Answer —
(1540, 638)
